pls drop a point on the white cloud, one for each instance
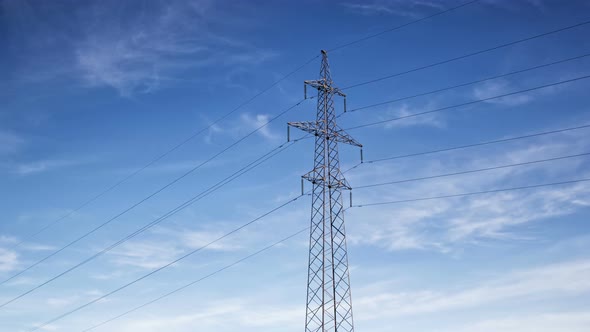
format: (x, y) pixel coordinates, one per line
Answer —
(156, 47)
(8, 260)
(220, 316)
(198, 239)
(550, 281)
(542, 322)
(413, 8)
(427, 120)
(499, 87)
(447, 223)
(61, 302)
(212, 130)
(41, 166)
(253, 122)
(145, 255)
(10, 143)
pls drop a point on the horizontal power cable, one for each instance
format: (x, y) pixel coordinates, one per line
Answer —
(544, 86)
(422, 94)
(182, 206)
(532, 162)
(468, 55)
(196, 281)
(445, 11)
(53, 320)
(471, 193)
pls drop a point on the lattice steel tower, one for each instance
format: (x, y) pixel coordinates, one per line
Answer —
(329, 303)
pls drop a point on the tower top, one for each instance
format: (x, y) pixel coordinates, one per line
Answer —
(324, 52)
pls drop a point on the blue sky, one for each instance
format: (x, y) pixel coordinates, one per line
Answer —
(92, 91)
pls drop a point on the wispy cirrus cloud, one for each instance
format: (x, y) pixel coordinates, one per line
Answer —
(448, 223)
(571, 321)
(145, 254)
(156, 48)
(559, 280)
(429, 120)
(221, 316)
(499, 87)
(41, 166)
(10, 142)
(253, 122)
(134, 49)
(8, 260)
(412, 8)
(243, 125)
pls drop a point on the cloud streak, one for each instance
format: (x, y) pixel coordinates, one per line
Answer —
(158, 47)
(558, 280)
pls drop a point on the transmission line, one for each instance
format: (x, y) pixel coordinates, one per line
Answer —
(474, 170)
(167, 264)
(472, 193)
(235, 143)
(158, 158)
(158, 220)
(402, 25)
(196, 281)
(182, 143)
(288, 202)
(469, 103)
(468, 55)
(422, 153)
(198, 132)
(467, 84)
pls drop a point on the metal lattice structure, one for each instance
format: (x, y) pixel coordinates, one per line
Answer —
(329, 302)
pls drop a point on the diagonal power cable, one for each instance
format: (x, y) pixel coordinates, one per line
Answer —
(159, 298)
(156, 159)
(468, 55)
(445, 11)
(579, 78)
(167, 264)
(422, 94)
(485, 169)
(473, 193)
(466, 146)
(202, 130)
(168, 214)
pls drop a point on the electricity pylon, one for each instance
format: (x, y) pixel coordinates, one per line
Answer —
(329, 302)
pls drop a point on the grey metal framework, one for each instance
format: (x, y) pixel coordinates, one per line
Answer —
(329, 302)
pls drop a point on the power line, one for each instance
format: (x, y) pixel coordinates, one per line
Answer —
(176, 147)
(167, 264)
(165, 216)
(94, 230)
(469, 103)
(235, 143)
(467, 84)
(157, 221)
(472, 193)
(355, 206)
(422, 153)
(196, 281)
(467, 55)
(158, 158)
(474, 170)
(198, 132)
(402, 26)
